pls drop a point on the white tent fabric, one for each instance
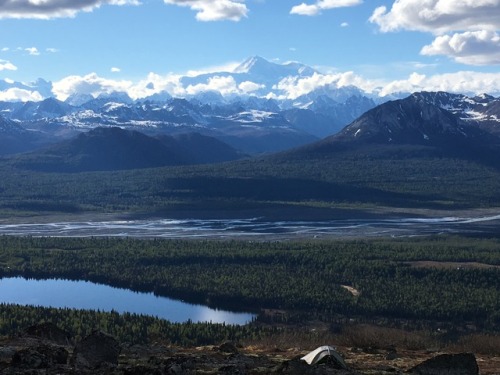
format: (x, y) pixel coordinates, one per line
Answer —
(324, 351)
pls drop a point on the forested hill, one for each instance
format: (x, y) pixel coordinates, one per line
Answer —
(113, 148)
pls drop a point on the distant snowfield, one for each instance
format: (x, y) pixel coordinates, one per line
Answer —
(258, 229)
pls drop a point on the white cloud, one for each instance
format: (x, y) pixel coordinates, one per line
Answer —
(51, 50)
(248, 87)
(16, 94)
(90, 84)
(214, 10)
(33, 51)
(114, 69)
(475, 24)
(7, 65)
(155, 83)
(413, 83)
(438, 16)
(5, 49)
(47, 9)
(293, 87)
(466, 82)
(94, 85)
(224, 85)
(471, 47)
(316, 8)
(305, 10)
(344, 24)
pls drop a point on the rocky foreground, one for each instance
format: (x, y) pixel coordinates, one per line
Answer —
(46, 349)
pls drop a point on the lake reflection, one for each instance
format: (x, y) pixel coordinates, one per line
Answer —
(91, 296)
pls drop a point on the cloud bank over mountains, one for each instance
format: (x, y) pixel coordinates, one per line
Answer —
(254, 77)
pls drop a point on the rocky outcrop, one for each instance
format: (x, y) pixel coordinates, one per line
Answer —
(96, 350)
(448, 364)
(40, 357)
(35, 353)
(49, 332)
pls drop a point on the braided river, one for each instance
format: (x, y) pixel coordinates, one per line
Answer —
(258, 228)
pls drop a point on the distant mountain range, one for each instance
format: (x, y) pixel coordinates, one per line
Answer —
(250, 119)
(250, 122)
(433, 124)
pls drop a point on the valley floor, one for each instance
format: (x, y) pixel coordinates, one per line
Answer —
(307, 211)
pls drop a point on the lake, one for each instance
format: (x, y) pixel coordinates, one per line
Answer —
(90, 296)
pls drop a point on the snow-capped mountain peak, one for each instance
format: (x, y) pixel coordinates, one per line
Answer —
(482, 109)
(265, 70)
(247, 65)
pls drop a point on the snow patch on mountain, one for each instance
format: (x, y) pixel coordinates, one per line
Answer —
(113, 106)
(252, 116)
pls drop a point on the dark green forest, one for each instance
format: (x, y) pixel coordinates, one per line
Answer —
(128, 328)
(303, 278)
(399, 176)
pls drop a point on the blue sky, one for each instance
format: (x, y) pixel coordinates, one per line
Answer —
(124, 41)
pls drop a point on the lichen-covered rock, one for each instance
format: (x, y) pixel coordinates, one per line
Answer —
(96, 350)
(448, 364)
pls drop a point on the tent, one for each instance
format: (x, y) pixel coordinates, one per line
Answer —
(323, 354)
